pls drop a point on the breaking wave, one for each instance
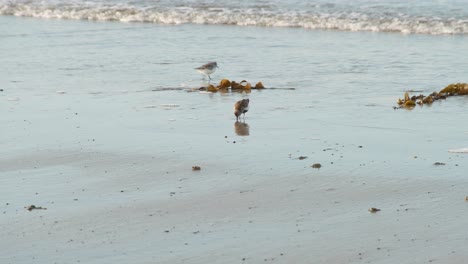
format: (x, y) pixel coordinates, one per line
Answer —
(345, 21)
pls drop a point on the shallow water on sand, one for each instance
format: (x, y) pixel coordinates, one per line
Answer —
(345, 87)
(85, 134)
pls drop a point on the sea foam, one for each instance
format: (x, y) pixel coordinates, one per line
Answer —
(345, 21)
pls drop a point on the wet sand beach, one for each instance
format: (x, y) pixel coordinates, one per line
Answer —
(117, 190)
(86, 137)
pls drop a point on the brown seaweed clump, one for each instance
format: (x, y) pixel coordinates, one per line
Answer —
(259, 85)
(451, 90)
(455, 89)
(407, 102)
(226, 85)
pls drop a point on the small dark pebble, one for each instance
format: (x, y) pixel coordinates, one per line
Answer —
(439, 163)
(359, 146)
(317, 166)
(234, 142)
(166, 231)
(302, 157)
(1, 90)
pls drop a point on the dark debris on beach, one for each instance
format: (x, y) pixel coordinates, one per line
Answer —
(33, 207)
(316, 166)
(226, 85)
(454, 89)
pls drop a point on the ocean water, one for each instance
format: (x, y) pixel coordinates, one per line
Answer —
(434, 17)
(346, 80)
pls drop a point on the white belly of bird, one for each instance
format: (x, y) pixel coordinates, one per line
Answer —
(206, 71)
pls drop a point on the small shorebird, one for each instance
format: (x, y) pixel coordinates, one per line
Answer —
(207, 69)
(241, 107)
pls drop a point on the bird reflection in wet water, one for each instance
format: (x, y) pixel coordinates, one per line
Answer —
(241, 128)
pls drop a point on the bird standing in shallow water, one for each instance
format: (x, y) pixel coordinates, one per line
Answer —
(241, 107)
(207, 69)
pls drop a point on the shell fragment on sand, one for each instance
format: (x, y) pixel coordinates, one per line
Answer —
(462, 150)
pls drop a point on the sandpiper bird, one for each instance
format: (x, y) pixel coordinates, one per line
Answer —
(207, 69)
(241, 107)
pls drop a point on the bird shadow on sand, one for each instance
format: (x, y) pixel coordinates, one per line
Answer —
(241, 128)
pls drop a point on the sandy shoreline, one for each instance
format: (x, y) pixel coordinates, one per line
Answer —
(85, 135)
(170, 214)
(119, 187)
